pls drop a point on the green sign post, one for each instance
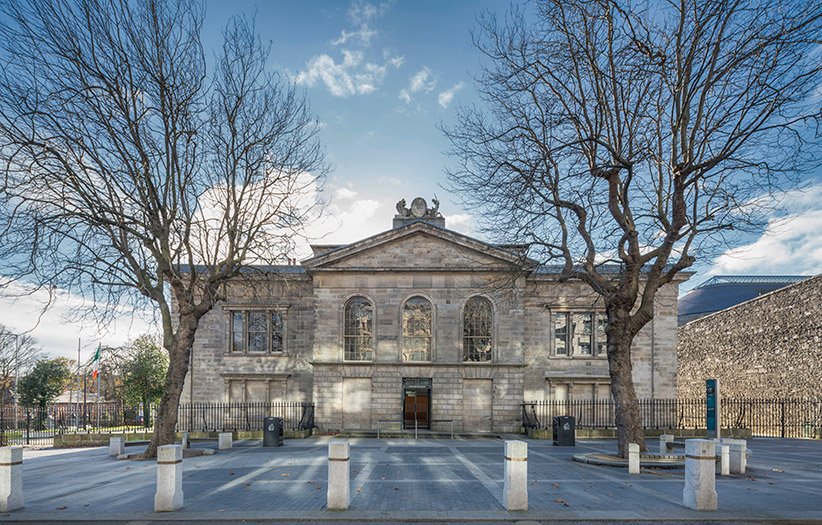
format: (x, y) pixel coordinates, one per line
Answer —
(712, 409)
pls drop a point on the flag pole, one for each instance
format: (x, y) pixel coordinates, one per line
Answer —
(77, 408)
(98, 393)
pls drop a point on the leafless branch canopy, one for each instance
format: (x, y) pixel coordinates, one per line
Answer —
(124, 156)
(18, 353)
(638, 134)
(132, 171)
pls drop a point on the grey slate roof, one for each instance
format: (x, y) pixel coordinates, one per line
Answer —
(724, 291)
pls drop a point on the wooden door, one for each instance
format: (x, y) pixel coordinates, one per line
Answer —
(416, 408)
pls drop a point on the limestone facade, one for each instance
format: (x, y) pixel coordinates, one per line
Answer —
(768, 347)
(418, 259)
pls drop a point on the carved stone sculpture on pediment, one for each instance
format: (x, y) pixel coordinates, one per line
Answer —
(419, 209)
(402, 211)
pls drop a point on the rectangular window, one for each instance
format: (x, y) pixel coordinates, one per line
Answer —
(580, 333)
(276, 332)
(238, 331)
(256, 331)
(561, 334)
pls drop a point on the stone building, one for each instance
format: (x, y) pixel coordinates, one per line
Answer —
(418, 323)
(767, 347)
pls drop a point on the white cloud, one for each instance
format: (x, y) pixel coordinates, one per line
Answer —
(422, 81)
(790, 244)
(345, 222)
(461, 222)
(56, 331)
(395, 61)
(361, 12)
(345, 193)
(352, 76)
(444, 99)
(363, 34)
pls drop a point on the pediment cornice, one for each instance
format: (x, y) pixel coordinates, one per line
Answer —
(502, 258)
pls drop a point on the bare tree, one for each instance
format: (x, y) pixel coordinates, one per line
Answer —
(133, 172)
(18, 353)
(621, 139)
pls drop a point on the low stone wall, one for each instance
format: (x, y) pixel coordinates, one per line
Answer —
(769, 347)
(102, 439)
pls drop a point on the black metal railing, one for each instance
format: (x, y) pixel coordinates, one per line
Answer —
(788, 418)
(35, 426)
(243, 416)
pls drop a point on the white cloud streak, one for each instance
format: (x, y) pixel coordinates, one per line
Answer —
(423, 81)
(446, 97)
(790, 244)
(352, 76)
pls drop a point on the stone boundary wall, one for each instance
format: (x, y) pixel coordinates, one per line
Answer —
(767, 347)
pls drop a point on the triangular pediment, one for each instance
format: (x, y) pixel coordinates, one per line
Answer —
(418, 246)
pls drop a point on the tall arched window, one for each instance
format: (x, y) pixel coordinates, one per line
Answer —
(358, 330)
(416, 329)
(477, 321)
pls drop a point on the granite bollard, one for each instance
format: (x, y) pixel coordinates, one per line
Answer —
(723, 451)
(633, 458)
(11, 478)
(339, 486)
(116, 446)
(738, 450)
(169, 496)
(515, 482)
(664, 439)
(700, 475)
(224, 440)
(185, 440)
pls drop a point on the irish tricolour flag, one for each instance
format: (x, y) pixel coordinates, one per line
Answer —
(96, 359)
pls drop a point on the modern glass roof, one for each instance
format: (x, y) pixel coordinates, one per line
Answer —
(753, 279)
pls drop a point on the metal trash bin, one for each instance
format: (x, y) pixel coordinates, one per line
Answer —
(564, 428)
(272, 431)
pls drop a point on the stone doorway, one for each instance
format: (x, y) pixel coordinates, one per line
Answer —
(416, 402)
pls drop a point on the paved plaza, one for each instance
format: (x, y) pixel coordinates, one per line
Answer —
(407, 480)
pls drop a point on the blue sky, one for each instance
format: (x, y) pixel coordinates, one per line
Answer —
(380, 77)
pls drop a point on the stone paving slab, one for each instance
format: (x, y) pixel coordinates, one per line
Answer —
(405, 480)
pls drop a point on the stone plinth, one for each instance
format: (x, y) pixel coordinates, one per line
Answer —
(700, 475)
(116, 446)
(11, 478)
(664, 439)
(515, 482)
(738, 449)
(339, 486)
(169, 496)
(724, 465)
(633, 458)
(224, 441)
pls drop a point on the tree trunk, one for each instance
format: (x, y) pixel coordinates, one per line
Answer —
(166, 419)
(628, 420)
